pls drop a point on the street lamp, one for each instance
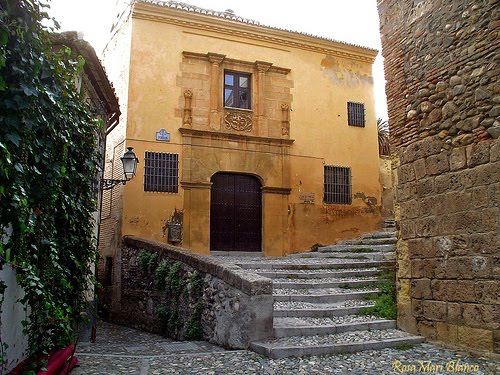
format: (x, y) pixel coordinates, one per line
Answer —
(129, 161)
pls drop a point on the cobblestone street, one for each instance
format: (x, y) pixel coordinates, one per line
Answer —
(121, 350)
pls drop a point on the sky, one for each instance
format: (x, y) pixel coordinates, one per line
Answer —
(351, 21)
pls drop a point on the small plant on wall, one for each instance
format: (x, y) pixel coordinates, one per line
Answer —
(180, 313)
(385, 301)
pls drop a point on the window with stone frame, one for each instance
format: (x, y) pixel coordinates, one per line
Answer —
(337, 185)
(237, 89)
(356, 114)
(161, 172)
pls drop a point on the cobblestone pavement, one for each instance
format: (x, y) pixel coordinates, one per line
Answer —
(121, 350)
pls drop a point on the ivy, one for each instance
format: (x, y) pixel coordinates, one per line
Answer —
(48, 165)
(161, 274)
(180, 314)
(143, 261)
(194, 330)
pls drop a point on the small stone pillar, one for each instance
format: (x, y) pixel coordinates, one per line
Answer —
(214, 117)
(285, 119)
(262, 68)
(187, 118)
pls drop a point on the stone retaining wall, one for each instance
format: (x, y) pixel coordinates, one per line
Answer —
(236, 306)
(441, 66)
(448, 260)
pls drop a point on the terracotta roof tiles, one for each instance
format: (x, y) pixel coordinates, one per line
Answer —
(230, 15)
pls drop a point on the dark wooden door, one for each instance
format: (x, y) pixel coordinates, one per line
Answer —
(235, 213)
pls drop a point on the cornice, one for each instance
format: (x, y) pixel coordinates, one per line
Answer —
(258, 64)
(235, 137)
(250, 31)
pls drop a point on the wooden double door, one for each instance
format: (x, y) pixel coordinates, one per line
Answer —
(235, 213)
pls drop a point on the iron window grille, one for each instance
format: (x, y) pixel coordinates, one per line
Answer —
(237, 90)
(337, 185)
(356, 114)
(161, 172)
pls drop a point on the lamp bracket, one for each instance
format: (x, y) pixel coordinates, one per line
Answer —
(108, 184)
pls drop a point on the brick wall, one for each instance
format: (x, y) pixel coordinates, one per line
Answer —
(441, 65)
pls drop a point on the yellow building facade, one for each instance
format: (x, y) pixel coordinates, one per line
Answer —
(249, 138)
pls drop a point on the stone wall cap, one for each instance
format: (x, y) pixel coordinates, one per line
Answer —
(248, 283)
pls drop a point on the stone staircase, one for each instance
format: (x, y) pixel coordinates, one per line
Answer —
(319, 296)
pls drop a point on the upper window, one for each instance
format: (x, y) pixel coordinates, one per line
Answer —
(356, 114)
(337, 185)
(237, 90)
(161, 172)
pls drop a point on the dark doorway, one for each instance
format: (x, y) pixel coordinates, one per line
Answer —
(235, 213)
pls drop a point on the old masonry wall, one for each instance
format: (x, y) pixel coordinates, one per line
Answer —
(441, 65)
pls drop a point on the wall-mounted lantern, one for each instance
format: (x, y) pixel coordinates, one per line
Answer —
(129, 161)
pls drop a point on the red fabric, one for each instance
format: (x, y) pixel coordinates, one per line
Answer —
(56, 361)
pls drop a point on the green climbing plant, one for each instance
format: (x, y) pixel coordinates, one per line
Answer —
(180, 314)
(48, 166)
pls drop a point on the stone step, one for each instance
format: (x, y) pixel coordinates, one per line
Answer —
(326, 297)
(388, 223)
(318, 274)
(361, 250)
(314, 264)
(346, 342)
(321, 284)
(319, 310)
(390, 233)
(346, 255)
(286, 327)
(370, 241)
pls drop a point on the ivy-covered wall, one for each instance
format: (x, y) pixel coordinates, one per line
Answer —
(49, 159)
(184, 295)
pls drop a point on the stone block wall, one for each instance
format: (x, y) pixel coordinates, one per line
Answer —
(448, 249)
(441, 66)
(235, 308)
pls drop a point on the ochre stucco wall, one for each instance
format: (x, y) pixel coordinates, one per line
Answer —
(314, 78)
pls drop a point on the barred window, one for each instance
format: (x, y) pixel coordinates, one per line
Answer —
(161, 172)
(356, 114)
(337, 187)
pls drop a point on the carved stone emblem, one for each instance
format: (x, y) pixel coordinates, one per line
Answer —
(238, 120)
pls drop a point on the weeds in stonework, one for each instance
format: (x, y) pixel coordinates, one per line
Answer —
(385, 300)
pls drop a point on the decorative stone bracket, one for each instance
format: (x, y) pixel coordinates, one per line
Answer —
(285, 122)
(187, 118)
